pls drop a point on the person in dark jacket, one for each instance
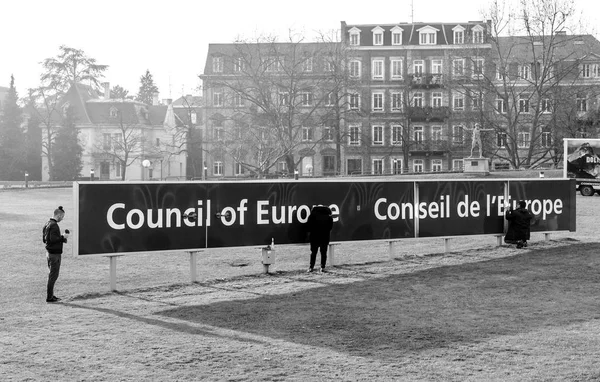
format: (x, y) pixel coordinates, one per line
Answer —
(519, 222)
(53, 239)
(320, 223)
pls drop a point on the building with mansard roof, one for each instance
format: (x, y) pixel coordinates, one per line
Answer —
(122, 138)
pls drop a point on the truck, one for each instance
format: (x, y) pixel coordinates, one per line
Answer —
(583, 164)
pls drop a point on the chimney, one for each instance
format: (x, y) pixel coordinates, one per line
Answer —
(106, 86)
(561, 33)
(155, 98)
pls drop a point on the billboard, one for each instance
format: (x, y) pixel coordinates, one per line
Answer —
(127, 217)
(582, 158)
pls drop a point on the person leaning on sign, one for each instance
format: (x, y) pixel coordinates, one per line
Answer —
(53, 239)
(320, 223)
(519, 222)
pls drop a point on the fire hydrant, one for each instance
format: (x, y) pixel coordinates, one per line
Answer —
(268, 255)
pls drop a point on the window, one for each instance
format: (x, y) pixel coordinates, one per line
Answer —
(355, 68)
(396, 134)
(436, 66)
(459, 36)
(586, 70)
(157, 142)
(106, 141)
(238, 100)
(436, 133)
(238, 64)
(354, 166)
(219, 132)
(218, 168)
(501, 140)
(418, 165)
(377, 68)
(377, 135)
(327, 133)
(458, 67)
(524, 72)
(377, 35)
(427, 35)
(354, 34)
(418, 100)
(328, 64)
(418, 66)
(457, 164)
(477, 36)
(396, 68)
(377, 104)
(523, 139)
(114, 112)
(478, 67)
(328, 164)
(377, 167)
(282, 167)
(284, 98)
(546, 139)
(418, 134)
(307, 64)
(117, 141)
(307, 134)
(274, 64)
(354, 101)
(217, 64)
(354, 135)
(523, 105)
(581, 103)
(436, 99)
(330, 99)
(476, 101)
(457, 134)
(217, 98)
(397, 165)
(118, 169)
(500, 106)
(396, 101)
(396, 35)
(239, 169)
(500, 73)
(458, 101)
(306, 99)
(546, 106)
(436, 165)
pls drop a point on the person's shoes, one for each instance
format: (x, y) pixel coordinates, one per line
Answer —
(519, 246)
(53, 299)
(310, 270)
(322, 270)
(524, 244)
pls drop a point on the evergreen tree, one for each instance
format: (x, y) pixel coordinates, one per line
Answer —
(118, 92)
(12, 138)
(67, 151)
(147, 88)
(33, 139)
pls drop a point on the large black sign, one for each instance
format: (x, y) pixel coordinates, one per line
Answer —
(125, 217)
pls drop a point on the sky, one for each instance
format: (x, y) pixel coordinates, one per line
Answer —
(170, 38)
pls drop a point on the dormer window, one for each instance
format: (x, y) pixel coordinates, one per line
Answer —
(459, 34)
(428, 35)
(218, 64)
(397, 35)
(65, 108)
(477, 34)
(354, 35)
(377, 35)
(113, 112)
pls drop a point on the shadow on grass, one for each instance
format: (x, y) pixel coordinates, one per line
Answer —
(393, 315)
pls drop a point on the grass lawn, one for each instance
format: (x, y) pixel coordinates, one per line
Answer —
(478, 313)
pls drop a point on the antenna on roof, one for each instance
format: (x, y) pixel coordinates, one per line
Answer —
(412, 11)
(170, 85)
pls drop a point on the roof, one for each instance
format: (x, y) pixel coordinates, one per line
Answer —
(575, 47)
(188, 101)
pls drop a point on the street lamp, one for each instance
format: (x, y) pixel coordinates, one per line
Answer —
(92, 174)
(26, 179)
(146, 164)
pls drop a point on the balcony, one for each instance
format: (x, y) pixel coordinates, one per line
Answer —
(425, 81)
(430, 146)
(428, 114)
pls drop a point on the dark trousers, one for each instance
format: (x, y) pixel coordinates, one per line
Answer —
(314, 247)
(54, 269)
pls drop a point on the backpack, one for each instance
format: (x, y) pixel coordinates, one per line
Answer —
(45, 232)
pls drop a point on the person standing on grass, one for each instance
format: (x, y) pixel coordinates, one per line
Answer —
(320, 223)
(519, 222)
(53, 239)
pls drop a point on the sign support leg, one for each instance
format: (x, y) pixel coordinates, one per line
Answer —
(331, 255)
(446, 245)
(193, 266)
(113, 273)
